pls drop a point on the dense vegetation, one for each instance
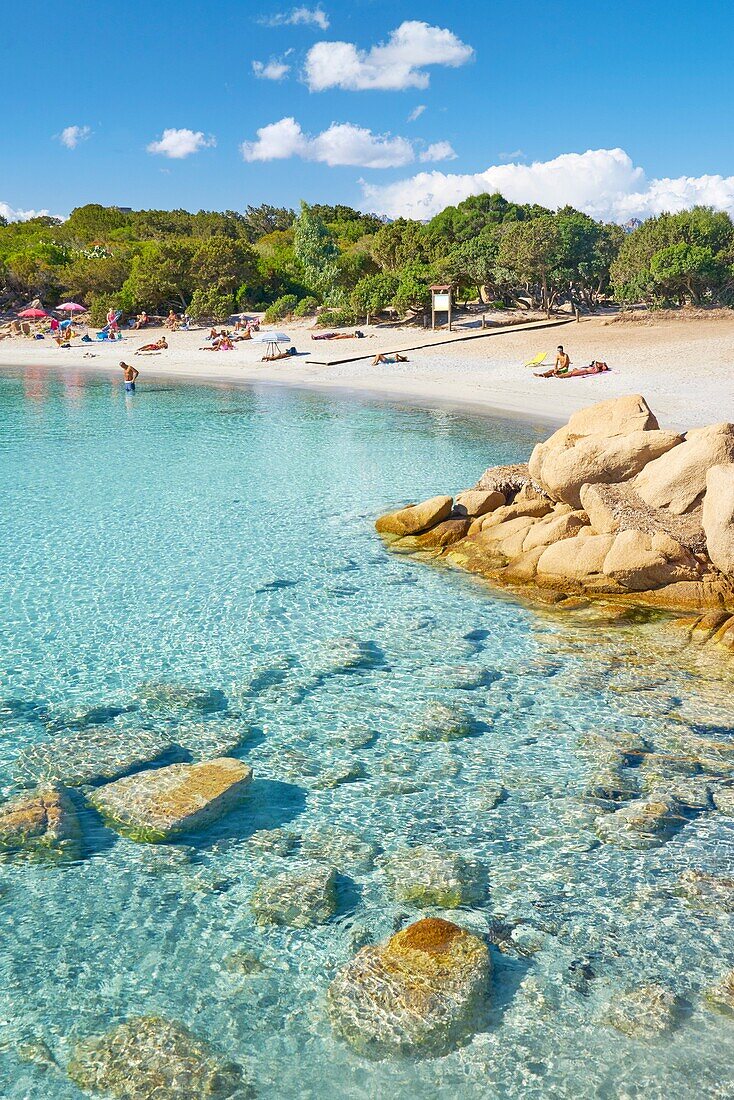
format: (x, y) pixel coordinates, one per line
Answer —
(356, 264)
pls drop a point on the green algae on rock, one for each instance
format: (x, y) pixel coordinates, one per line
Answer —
(150, 1057)
(427, 877)
(155, 805)
(441, 722)
(174, 699)
(721, 996)
(421, 993)
(43, 825)
(300, 898)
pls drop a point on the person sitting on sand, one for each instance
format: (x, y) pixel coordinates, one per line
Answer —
(161, 344)
(563, 361)
(171, 321)
(142, 320)
(396, 358)
(130, 374)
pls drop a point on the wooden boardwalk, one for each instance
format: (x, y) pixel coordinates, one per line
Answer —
(322, 360)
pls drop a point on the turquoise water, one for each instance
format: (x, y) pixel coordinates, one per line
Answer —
(223, 537)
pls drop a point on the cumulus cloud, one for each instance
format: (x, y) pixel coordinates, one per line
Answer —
(12, 214)
(270, 70)
(516, 154)
(393, 65)
(341, 144)
(70, 136)
(602, 182)
(439, 150)
(178, 144)
(416, 112)
(315, 17)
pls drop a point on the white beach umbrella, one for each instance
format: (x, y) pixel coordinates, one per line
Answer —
(272, 339)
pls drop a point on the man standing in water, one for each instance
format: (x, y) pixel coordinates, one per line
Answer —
(130, 374)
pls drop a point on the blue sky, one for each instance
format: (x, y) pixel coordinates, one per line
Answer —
(514, 86)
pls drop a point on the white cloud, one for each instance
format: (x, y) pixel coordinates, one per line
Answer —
(398, 63)
(12, 214)
(70, 136)
(315, 17)
(516, 154)
(270, 70)
(341, 144)
(178, 144)
(416, 112)
(440, 150)
(602, 182)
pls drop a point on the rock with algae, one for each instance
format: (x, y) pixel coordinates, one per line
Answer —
(644, 823)
(721, 996)
(155, 805)
(421, 993)
(645, 1012)
(706, 891)
(151, 1058)
(94, 755)
(301, 898)
(42, 825)
(176, 699)
(440, 722)
(339, 847)
(427, 877)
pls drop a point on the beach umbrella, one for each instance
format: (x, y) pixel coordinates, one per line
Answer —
(70, 308)
(32, 313)
(272, 339)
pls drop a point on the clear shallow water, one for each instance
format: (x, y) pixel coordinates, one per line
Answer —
(205, 535)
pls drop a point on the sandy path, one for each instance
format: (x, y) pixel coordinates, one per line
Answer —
(685, 369)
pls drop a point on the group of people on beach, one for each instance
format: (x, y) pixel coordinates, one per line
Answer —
(562, 367)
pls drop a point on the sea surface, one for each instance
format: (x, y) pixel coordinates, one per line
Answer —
(223, 538)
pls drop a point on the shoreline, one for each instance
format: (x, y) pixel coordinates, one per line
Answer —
(685, 368)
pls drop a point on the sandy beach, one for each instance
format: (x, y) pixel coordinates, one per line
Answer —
(682, 367)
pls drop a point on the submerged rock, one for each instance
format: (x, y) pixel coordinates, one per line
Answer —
(721, 995)
(724, 800)
(152, 806)
(92, 756)
(301, 899)
(440, 722)
(278, 842)
(172, 699)
(345, 654)
(708, 891)
(150, 1057)
(422, 992)
(611, 784)
(644, 823)
(644, 1013)
(430, 876)
(340, 848)
(244, 963)
(487, 795)
(349, 772)
(43, 825)
(212, 739)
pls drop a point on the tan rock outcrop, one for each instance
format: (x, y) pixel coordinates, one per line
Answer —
(577, 560)
(554, 528)
(445, 533)
(478, 502)
(42, 825)
(415, 517)
(618, 507)
(718, 517)
(678, 481)
(507, 480)
(639, 562)
(599, 458)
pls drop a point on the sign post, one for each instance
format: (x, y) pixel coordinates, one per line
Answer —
(440, 302)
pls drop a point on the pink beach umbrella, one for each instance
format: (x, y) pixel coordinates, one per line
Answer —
(32, 314)
(70, 307)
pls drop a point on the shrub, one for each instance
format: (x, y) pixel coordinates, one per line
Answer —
(499, 304)
(336, 318)
(212, 303)
(373, 293)
(281, 308)
(306, 307)
(99, 305)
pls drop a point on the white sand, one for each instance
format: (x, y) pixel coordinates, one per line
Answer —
(685, 368)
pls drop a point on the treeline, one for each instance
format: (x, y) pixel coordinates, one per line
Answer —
(355, 264)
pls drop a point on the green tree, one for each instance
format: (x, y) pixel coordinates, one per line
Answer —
(399, 243)
(211, 303)
(223, 264)
(161, 276)
(318, 255)
(374, 293)
(686, 270)
(528, 255)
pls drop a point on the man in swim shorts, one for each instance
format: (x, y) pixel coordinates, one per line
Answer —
(130, 374)
(563, 361)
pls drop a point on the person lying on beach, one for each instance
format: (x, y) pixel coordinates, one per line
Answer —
(130, 375)
(245, 335)
(222, 343)
(142, 320)
(279, 355)
(396, 358)
(339, 336)
(160, 345)
(595, 367)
